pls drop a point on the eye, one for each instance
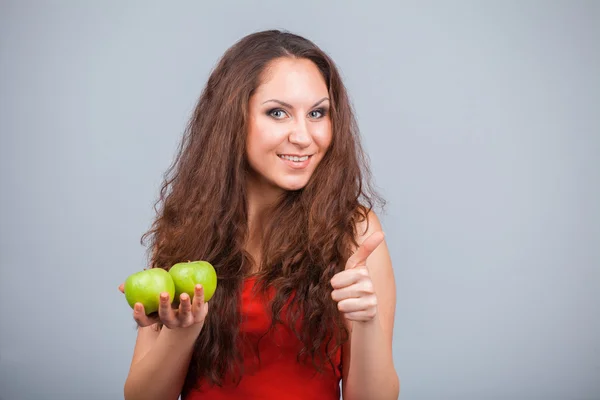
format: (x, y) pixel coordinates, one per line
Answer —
(318, 113)
(277, 113)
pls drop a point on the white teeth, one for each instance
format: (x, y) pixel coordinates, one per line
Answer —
(293, 158)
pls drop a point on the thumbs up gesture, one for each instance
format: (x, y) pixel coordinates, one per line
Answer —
(352, 288)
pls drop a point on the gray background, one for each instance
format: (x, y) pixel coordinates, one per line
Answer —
(482, 123)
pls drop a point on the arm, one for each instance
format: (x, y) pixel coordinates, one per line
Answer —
(161, 358)
(367, 296)
(160, 363)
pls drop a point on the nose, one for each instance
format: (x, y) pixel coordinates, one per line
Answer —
(299, 135)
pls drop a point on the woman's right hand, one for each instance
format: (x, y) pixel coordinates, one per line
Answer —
(189, 313)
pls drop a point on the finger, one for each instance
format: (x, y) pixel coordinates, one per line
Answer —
(122, 288)
(365, 249)
(185, 308)
(200, 307)
(139, 315)
(185, 304)
(348, 277)
(358, 304)
(353, 305)
(363, 316)
(165, 311)
(360, 289)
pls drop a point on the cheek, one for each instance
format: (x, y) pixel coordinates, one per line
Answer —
(262, 138)
(322, 135)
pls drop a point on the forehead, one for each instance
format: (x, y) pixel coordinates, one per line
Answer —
(292, 78)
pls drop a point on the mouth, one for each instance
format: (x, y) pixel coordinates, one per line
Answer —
(295, 161)
(293, 157)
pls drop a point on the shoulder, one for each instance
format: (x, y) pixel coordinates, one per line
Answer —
(367, 224)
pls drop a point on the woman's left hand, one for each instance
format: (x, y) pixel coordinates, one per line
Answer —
(353, 288)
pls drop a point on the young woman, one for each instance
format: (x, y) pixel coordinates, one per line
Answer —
(271, 186)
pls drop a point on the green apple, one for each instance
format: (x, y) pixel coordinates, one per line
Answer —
(186, 275)
(146, 286)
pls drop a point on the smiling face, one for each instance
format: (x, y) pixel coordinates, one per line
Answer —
(289, 128)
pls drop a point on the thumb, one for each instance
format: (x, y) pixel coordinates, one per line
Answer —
(122, 288)
(365, 250)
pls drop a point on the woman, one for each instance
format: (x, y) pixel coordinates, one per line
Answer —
(270, 185)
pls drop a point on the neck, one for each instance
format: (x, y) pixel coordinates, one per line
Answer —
(261, 197)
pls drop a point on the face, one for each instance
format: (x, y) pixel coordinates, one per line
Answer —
(289, 125)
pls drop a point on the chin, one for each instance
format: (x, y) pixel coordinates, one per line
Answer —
(295, 185)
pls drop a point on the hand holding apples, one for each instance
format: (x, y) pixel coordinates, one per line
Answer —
(188, 286)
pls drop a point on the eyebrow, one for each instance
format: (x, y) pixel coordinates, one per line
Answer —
(283, 103)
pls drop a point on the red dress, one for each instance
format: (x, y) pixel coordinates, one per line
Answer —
(279, 375)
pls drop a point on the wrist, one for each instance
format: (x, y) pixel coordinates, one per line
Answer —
(179, 334)
(368, 324)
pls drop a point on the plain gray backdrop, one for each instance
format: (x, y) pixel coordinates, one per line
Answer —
(482, 122)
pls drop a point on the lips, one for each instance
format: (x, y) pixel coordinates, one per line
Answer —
(292, 157)
(295, 161)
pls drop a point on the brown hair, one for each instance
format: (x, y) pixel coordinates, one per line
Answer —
(203, 213)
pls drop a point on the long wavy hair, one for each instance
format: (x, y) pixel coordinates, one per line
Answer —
(202, 212)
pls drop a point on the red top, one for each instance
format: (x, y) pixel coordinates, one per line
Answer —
(279, 375)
